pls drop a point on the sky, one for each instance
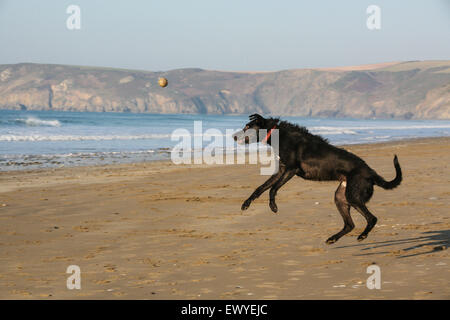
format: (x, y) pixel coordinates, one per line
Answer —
(232, 35)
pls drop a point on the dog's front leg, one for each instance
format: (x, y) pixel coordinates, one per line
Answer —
(288, 174)
(266, 185)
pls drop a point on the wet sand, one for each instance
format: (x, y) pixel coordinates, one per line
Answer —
(162, 231)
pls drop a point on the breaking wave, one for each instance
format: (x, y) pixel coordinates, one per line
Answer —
(38, 137)
(36, 122)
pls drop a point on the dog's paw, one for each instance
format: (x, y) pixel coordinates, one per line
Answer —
(273, 206)
(246, 204)
(362, 237)
(331, 240)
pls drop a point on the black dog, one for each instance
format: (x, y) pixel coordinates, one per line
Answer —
(313, 158)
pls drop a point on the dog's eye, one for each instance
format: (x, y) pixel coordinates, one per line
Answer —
(246, 128)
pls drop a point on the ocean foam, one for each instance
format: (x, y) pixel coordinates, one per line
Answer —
(331, 130)
(38, 137)
(35, 122)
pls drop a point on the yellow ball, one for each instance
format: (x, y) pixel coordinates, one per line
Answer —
(163, 82)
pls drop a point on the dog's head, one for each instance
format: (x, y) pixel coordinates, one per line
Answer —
(250, 133)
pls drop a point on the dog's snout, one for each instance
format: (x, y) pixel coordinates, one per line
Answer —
(235, 138)
(247, 139)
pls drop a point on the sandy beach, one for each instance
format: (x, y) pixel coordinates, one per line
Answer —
(162, 231)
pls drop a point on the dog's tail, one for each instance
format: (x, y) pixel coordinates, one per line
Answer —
(379, 181)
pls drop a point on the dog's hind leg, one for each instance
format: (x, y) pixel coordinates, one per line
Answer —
(273, 191)
(344, 209)
(359, 191)
(266, 185)
(371, 220)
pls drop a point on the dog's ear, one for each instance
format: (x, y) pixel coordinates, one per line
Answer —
(257, 117)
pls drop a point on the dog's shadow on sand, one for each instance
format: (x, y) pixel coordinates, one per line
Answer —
(437, 240)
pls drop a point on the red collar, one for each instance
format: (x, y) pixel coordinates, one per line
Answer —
(269, 134)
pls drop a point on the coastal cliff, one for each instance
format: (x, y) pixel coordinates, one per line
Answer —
(404, 90)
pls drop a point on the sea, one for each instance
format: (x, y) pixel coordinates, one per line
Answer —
(52, 139)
